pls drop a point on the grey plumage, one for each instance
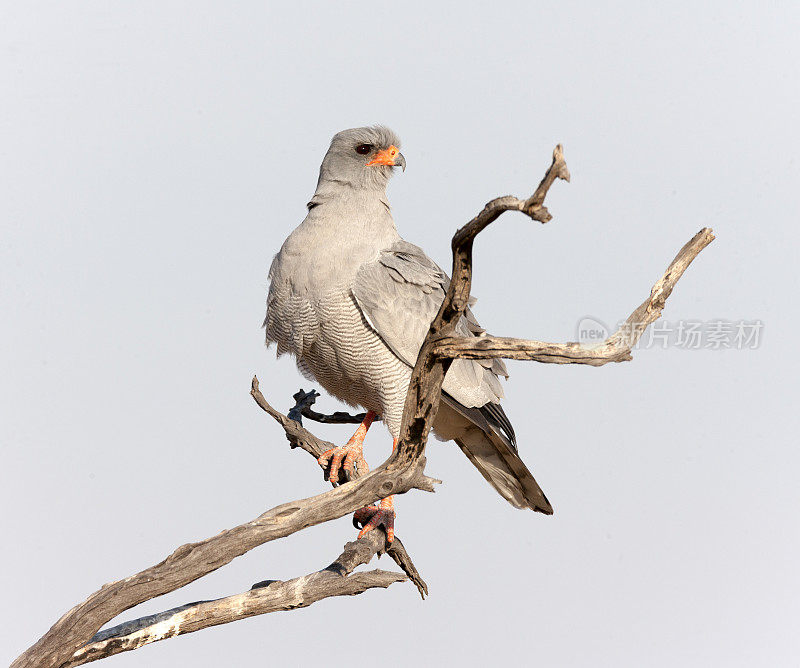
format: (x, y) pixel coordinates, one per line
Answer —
(352, 301)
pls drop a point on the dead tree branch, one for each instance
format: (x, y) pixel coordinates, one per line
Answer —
(271, 596)
(616, 348)
(315, 448)
(425, 388)
(403, 471)
(194, 560)
(267, 596)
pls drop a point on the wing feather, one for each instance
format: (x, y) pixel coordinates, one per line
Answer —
(399, 294)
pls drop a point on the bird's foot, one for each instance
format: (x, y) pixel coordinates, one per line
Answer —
(343, 464)
(370, 517)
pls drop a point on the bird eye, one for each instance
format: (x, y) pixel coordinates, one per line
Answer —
(363, 149)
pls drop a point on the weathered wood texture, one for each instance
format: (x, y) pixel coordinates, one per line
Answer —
(335, 580)
(194, 560)
(425, 387)
(404, 470)
(269, 596)
(616, 348)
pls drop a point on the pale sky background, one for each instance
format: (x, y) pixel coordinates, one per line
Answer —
(153, 157)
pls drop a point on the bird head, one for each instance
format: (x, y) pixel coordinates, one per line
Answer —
(362, 157)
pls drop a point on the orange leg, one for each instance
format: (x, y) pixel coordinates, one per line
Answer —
(351, 455)
(383, 515)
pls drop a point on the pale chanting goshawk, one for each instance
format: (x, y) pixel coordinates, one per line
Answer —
(352, 301)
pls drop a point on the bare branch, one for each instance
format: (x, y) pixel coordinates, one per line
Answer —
(298, 436)
(282, 595)
(335, 580)
(616, 348)
(194, 560)
(413, 477)
(533, 206)
(396, 550)
(425, 388)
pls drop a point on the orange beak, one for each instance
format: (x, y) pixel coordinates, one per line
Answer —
(390, 156)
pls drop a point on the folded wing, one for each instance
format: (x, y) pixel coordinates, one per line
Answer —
(399, 294)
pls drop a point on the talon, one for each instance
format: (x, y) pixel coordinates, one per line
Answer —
(327, 460)
(341, 464)
(370, 517)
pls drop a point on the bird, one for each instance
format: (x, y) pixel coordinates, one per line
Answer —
(352, 301)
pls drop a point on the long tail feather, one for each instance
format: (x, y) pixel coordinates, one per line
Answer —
(479, 433)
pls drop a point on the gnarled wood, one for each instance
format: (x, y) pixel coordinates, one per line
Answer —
(425, 388)
(335, 580)
(616, 348)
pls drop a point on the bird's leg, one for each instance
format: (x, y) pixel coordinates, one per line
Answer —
(351, 455)
(383, 515)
